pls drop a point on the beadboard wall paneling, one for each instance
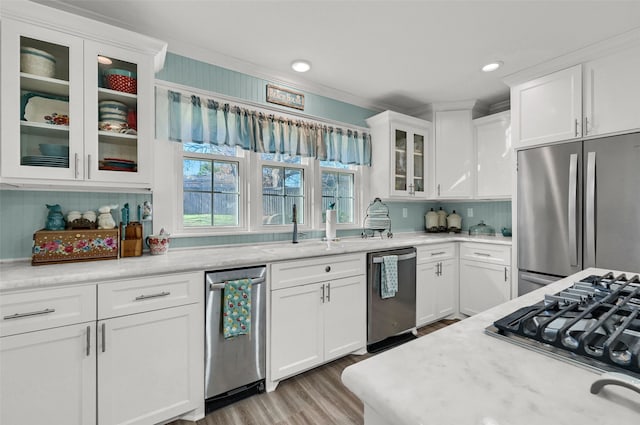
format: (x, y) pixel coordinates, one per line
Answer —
(194, 73)
(24, 212)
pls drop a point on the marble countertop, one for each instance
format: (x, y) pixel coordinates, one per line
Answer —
(460, 375)
(21, 275)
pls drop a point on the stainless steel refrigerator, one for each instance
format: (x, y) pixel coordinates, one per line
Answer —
(578, 207)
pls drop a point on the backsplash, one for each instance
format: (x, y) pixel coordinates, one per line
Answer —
(24, 212)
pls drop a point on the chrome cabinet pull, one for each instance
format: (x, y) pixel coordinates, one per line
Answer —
(146, 297)
(438, 189)
(31, 313)
(440, 268)
(322, 297)
(577, 123)
(88, 341)
(482, 254)
(505, 274)
(586, 126)
(328, 292)
(77, 165)
(89, 166)
(104, 338)
(438, 253)
(327, 269)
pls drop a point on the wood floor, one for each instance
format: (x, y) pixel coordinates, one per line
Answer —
(316, 397)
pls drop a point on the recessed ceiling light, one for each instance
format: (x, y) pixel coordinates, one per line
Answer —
(492, 66)
(301, 65)
(104, 60)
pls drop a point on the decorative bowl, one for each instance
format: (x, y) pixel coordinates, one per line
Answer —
(113, 118)
(50, 149)
(113, 104)
(37, 62)
(114, 111)
(121, 80)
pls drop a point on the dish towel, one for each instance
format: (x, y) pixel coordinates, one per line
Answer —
(389, 276)
(236, 312)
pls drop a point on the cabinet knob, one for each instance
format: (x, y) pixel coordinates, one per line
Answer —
(327, 269)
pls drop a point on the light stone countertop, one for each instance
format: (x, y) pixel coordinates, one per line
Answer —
(461, 376)
(21, 275)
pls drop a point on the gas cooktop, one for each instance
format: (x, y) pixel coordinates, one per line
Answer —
(594, 323)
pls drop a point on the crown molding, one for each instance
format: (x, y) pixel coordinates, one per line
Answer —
(591, 52)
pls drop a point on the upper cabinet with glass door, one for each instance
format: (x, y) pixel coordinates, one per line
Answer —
(77, 111)
(400, 147)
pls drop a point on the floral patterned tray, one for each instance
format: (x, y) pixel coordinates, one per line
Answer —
(61, 246)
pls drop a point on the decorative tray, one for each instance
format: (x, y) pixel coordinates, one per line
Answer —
(44, 108)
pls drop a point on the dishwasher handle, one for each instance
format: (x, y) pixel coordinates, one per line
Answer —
(378, 260)
(221, 285)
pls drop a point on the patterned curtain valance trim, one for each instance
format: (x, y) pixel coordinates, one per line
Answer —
(194, 119)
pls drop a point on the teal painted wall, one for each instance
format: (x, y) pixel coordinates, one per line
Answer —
(194, 73)
(24, 212)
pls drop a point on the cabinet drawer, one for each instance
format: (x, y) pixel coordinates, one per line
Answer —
(428, 253)
(150, 293)
(293, 273)
(49, 308)
(489, 253)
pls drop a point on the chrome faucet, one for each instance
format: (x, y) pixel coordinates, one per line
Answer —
(295, 224)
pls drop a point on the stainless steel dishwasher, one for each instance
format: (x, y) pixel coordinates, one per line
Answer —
(234, 367)
(391, 320)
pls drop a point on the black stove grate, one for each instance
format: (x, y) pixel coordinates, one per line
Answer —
(597, 318)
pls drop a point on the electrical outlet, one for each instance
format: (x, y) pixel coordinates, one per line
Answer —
(404, 213)
(469, 212)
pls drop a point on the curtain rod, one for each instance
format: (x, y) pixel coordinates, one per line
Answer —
(261, 107)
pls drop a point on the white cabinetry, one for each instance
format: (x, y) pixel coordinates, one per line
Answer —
(548, 109)
(400, 156)
(453, 153)
(595, 98)
(140, 363)
(611, 93)
(318, 312)
(48, 357)
(493, 156)
(485, 276)
(150, 348)
(61, 110)
(436, 282)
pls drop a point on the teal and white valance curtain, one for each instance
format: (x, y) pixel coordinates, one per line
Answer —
(191, 118)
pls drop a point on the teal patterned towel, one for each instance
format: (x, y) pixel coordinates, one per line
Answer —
(389, 278)
(237, 308)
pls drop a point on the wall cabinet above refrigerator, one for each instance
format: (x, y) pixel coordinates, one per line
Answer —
(597, 97)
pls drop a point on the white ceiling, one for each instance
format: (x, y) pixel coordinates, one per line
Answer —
(399, 55)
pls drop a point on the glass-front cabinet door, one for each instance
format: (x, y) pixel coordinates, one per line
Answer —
(117, 131)
(408, 155)
(42, 116)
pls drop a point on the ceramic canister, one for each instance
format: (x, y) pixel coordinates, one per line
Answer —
(431, 221)
(158, 244)
(442, 220)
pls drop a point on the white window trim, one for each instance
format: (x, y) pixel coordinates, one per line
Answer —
(256, 208)
(358, 196)
(243, 185)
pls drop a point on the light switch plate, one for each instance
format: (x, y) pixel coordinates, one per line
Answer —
(404, 213)
(469, 212)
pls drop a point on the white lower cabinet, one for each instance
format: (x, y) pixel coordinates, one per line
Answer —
(485, 277)
(315, 322)
(49, 376)
(148, 364)
(141, 362)
(436, 283)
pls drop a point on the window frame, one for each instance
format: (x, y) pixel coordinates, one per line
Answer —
(358, 196)
(306, 165)
(241, 159)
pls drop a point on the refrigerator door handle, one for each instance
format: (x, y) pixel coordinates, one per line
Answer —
(572, 211)
(590, 213)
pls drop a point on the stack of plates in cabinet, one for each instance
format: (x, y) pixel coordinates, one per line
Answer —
(118, 164)
(46, 161)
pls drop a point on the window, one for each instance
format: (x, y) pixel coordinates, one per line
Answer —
(211, 187)
(282, 188)
(338, 189)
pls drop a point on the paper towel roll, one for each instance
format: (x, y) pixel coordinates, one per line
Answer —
(330, 227)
